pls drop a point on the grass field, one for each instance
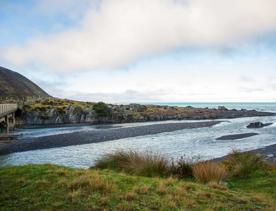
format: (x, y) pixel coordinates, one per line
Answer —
(50, 187)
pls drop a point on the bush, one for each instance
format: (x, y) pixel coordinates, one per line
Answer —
(242, 164)
(181, 169)
(209, 172)
(101, 109)
(142, 164)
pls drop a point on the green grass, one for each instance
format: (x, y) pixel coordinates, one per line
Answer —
(260, 181)
(50, 187)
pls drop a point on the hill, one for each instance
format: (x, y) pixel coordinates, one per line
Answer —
(13, 84)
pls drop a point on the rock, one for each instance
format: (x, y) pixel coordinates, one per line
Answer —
(222, 108)
(74, 114)
(258, 125)
(189, 107)
(137, 107)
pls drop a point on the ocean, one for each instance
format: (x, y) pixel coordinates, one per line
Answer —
(261, 106)
(199, 144)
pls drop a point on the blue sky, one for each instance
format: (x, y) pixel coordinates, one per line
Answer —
(143, 51)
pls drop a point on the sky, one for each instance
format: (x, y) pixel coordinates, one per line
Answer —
(123, 51)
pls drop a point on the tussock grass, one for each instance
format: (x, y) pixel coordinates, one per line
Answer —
(145, 164)
(181, 168)
(142, 164)
(156, 165)
(209, 172)
(237, 164)
(242, 164)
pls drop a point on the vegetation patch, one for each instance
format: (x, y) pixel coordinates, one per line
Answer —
(43, 105)
(242, 164)
(141, 164)
(237, 164)
(209, 172)
(101, 109)
(50, 187)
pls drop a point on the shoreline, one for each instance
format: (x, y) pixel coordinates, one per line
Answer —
(268, 153)
(79, 138)
(228, 116)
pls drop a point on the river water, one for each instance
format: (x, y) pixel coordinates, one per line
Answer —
(193, 144)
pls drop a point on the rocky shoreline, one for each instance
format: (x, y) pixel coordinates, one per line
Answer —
(60, 112)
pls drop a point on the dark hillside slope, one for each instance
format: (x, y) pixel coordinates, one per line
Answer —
(13, 84)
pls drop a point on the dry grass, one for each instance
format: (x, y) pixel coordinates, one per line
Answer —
(92, 182)
(129, 196)
(74, 195)
(145, 164)
(161, 188)
(142, 164)
(62, 171)
(169, 181)
(148, 164)
(141, 190)
(215, 185)
(209, 172)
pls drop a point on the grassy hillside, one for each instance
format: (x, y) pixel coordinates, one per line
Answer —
(50, 187)
(13, 84)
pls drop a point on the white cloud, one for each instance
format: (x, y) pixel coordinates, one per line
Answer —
(122, 31)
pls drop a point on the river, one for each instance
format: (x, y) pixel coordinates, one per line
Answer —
(192, 144)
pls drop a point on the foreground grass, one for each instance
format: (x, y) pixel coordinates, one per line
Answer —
(50, 187)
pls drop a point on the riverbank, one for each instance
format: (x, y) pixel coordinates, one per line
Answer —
(95, 136)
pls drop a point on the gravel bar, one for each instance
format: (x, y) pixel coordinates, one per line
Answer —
(78, 138)
(237, 136)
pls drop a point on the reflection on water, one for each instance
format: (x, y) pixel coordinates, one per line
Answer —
(190, 143)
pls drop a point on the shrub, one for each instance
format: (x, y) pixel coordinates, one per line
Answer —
(142, 164)
(209, 172)
(181, 168)
(101, 109)
(242, 164)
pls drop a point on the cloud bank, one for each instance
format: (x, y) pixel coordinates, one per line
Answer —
(119, 32)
